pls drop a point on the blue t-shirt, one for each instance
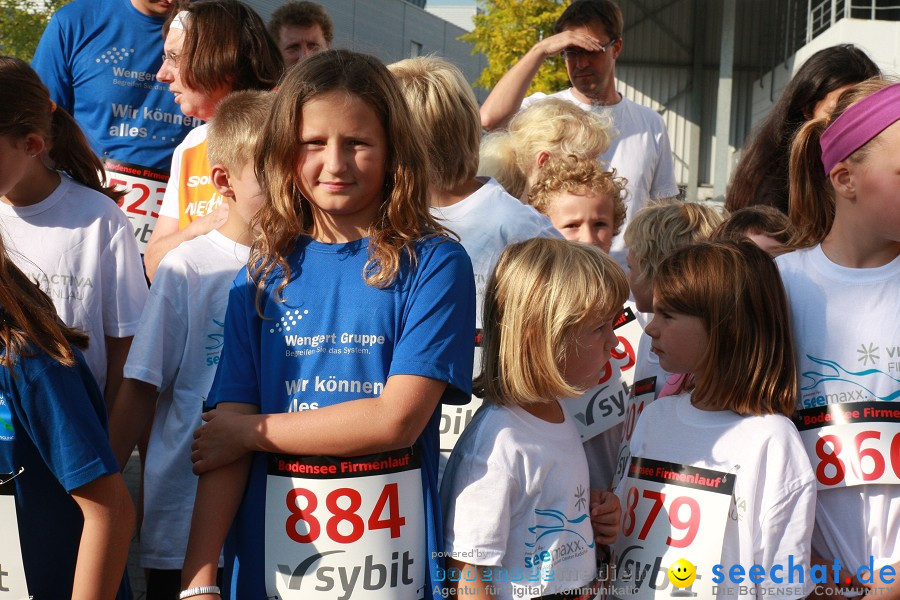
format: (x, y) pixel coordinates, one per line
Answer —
(99, 60)
(52, 424)
(332, 327)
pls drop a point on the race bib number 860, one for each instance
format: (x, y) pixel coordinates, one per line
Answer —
(853, 443)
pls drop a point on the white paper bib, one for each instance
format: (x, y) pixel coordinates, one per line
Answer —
(669, 512)
(348, 527)
(145, 189)
(853, 443)
(13, 586)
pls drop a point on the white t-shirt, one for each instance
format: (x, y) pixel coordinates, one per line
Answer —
(774, 495)
(640, 152)
(846, 334)
(79, 248)
(177, 348)
(517, 486)
(486, 221)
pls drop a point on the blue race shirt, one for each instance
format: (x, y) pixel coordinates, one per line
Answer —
(99, 60)
(52, 424)
(343, 338)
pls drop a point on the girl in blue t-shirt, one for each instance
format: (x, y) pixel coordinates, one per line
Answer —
(60, 485)
(350, 326)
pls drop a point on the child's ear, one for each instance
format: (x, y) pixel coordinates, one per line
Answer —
(34, 144)
(843, 182)
(541, 159)
(221, 180)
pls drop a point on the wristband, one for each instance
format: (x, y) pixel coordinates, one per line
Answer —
(197, 591)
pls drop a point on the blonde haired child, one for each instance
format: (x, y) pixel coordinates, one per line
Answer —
(655, 232)
(62, 227)
(583, 200)
(353, 322)
(59, 483)
(843, 286)
(517, 483)
(720, 315)
(477, 209)
(179, 342)
(550, 127)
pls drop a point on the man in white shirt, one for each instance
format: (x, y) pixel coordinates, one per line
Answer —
(589, 35)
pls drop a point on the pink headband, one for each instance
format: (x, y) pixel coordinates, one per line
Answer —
(859, 124)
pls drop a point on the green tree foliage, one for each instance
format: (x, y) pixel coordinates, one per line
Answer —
(506, 29)
(21, 24)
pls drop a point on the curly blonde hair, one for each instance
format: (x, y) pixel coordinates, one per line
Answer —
(551, 125)
(581, 176)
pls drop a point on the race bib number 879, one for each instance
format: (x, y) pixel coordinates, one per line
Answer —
(345, 527)
(669, 512)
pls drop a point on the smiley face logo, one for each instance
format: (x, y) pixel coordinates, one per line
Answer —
(682, 573)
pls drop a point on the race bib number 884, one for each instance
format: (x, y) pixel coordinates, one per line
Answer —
(345, 527)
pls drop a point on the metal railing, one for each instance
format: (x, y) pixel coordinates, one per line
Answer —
(822, 14)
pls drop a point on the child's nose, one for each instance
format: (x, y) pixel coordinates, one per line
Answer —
(612, 340)
(334, 159)
(651, 328)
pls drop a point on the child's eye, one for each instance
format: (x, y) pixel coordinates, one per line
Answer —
(313, 142)
(357, 143)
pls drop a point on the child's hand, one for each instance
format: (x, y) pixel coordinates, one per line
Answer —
(208, 222)
(217, 442)
(606, 512)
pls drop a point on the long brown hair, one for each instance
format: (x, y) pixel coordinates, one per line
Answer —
(735, 289)
(761, 177)
(28, 319)
(403, 217)
(812, 195)
(27, 108)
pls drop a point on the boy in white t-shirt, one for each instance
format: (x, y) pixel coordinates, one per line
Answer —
(484, 216)
(653, 234)
(172, 362)
(586, 203)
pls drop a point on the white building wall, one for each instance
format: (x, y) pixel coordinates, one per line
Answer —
(880, 40)
(461, 16)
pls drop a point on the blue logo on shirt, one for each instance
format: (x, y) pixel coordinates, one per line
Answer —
(7, 433)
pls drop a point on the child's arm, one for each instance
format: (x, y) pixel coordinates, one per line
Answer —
(470, 584)
(131, 413)
(393, 420)
(877, 588)
(219, 494)
(116, 353)
(606, 512)
(108, 522)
